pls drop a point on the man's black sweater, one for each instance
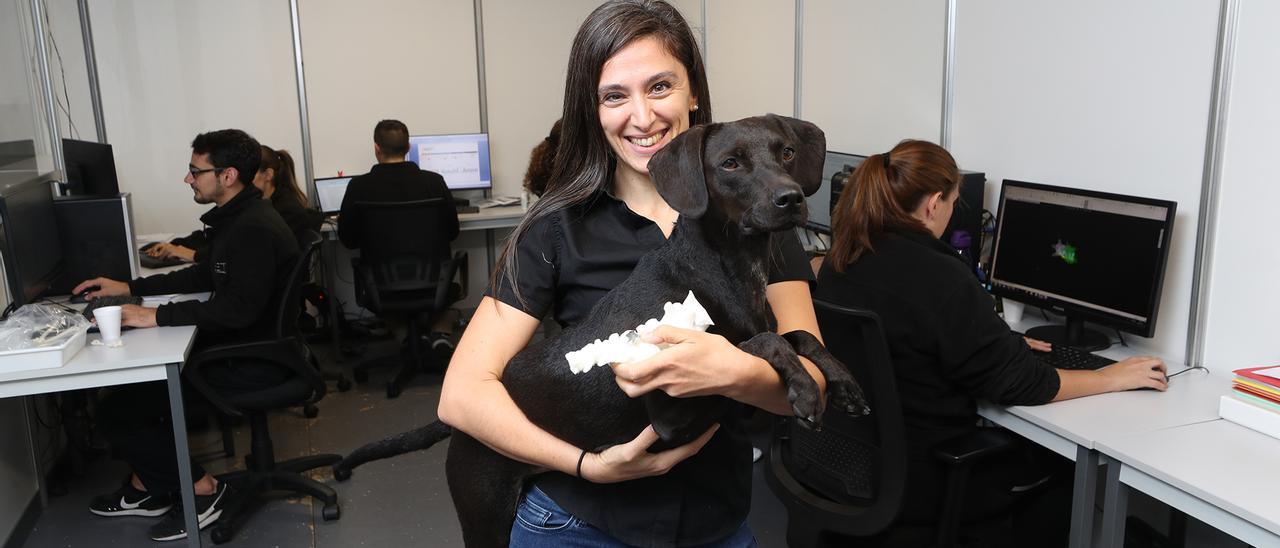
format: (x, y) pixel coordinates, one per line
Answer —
(251, 253)
(299, 218)
(947, 344)
(397, 182)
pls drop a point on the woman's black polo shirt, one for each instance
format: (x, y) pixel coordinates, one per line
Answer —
(565, 263)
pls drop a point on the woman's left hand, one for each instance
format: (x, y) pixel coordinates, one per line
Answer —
(696, 364)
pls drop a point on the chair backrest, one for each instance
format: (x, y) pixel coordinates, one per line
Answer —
(848, 477)
(403, 229)
(290, 302)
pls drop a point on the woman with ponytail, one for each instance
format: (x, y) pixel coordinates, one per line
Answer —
(948, 346)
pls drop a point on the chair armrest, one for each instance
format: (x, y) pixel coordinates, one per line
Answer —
(448, 270)
(366, 287)
(282, 352)
(976, 447)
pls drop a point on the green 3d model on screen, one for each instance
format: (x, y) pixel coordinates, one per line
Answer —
(1066, 251)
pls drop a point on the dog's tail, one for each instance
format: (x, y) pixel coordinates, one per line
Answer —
(399, 444)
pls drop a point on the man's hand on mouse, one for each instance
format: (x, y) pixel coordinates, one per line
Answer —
(102, 287)
(1137, 372)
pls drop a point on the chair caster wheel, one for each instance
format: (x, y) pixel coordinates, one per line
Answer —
(341, 473)
(310, 411)
(331, 512)
(393, 391)
(220, 535)
(343, 384)
(360, 376)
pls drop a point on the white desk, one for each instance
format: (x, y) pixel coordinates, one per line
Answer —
(1220, 472)
(1072, 428)
(147, 355)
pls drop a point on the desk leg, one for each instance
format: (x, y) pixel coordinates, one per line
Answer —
(326, 278)
(179, 416)
(1116, 507)
(1083, 497)
(489, 244)
(33, 438)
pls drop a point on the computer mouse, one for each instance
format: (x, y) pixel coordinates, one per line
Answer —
(82, 297)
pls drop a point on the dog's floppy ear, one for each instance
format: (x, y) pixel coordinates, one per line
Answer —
(678, 174)
(811, 149)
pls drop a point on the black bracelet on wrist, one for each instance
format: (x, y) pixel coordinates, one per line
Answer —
(580, 459)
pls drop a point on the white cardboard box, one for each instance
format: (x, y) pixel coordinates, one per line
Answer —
(46, 357)
(1250, 416)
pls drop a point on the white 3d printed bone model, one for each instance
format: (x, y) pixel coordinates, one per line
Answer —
(627, 347)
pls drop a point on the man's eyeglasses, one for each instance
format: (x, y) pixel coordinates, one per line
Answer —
(196, 172)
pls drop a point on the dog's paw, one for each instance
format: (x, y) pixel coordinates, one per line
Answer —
(805, 401)
(846, 394)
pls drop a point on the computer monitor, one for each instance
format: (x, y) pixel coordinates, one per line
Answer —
(330, 190)
(91, 168)
(97, 240)
(463, 159)
(835, 170)
(1086, 255)
(28, 226)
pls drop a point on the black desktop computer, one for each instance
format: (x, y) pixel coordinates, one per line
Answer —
(96, 238)
(836, 169)
(91, 168)
(27, 225)
(1087, 255)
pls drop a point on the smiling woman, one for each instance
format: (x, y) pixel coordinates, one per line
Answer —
(635, 81)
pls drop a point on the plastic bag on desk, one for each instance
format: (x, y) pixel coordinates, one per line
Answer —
(40, 325)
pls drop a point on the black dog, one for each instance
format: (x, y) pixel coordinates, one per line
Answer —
(734, 185)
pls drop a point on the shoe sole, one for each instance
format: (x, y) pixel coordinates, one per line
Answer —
(135, 512)
(207, 521)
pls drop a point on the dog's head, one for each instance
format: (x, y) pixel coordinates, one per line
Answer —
(754, 172)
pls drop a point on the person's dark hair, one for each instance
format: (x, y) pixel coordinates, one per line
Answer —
(882, 193)
(284, 179)
(542, 160)
(584, 162)
(392, 136)
(230, 148)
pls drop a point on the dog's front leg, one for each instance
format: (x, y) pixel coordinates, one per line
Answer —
(843, 390)
(802, 390)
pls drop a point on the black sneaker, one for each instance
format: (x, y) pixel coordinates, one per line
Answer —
(209, 508)
(441, 342)
(127, 501)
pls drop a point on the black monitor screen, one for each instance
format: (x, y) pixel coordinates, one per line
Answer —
(91, 168)
(1103, 253)
(822, 201)
(31, 251)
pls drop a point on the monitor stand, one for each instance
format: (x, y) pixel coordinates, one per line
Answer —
(1073, 334)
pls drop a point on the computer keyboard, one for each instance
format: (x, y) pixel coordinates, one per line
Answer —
(113, 300)
(1067, 357)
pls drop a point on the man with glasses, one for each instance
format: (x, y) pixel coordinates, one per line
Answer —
(251, 252)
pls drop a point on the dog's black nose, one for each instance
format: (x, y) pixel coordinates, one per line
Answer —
(787, 198)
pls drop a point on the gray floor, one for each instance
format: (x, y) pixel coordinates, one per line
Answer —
(397, 502)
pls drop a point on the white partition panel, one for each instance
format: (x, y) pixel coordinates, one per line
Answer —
(170, 70)
(872, 71)
(1096, 95)
(751, 57)
(1243, 296)
(367, 61)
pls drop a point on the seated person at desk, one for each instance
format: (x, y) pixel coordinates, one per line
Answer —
(250, 255)
(395, 179)
(948, 346)
(276, 179)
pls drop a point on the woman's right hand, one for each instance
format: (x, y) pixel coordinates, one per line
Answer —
(632, 460)
(1137, 372)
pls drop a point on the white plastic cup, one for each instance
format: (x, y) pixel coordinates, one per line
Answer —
(108, 318)
(1012, 311)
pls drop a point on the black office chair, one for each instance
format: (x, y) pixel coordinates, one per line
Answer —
(849, 477)
(286, 350)
(405, 270)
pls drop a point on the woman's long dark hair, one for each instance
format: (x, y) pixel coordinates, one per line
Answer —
(584, 162)
(284, 180)
(882, 193)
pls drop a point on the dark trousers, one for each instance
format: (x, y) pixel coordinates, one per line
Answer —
(135, 420)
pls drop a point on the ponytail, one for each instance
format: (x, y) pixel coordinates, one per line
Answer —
(286, 179)
(882, 193)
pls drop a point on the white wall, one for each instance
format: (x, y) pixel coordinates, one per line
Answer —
(68, 69)
(1094, 95)
(367, 61)
(22, 109)
(1243, 296)
(170, 70)
(750, 57)
(872, 71)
